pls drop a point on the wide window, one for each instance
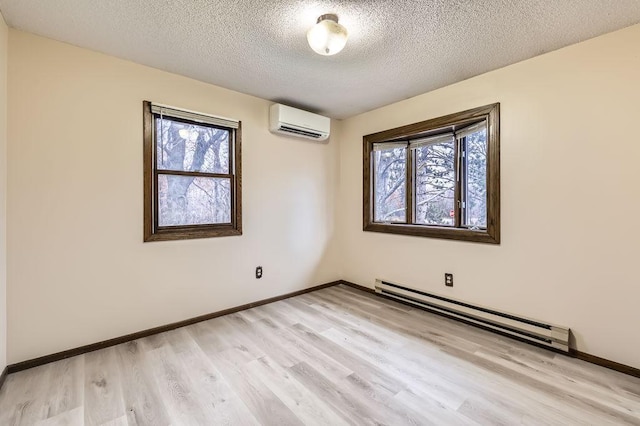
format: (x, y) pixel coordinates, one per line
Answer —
(438, 178)
(191, 175)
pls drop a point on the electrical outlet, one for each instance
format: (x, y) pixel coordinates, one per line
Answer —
(448, 280)
(259, 272)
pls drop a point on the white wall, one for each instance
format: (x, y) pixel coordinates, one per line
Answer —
(78, 270)
(570, 184)
(4, 38)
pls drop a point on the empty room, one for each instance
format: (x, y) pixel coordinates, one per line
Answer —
(319, 212)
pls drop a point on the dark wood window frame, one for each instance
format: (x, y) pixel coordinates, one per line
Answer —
(490, 113)
(153, 232)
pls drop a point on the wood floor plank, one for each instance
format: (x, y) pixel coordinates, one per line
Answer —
(381, 402)
(332, 357)
(399, 320)
(73, 417)
(297, 348)
(212, 388)
(175, 389)
(280, 311)
(69, 383)
(306, 316)
(545, 391)
(102, 390)
(265, 406)
(359, 365)
(142, 401)
(426, 381)
(262, 343)
(436, 412)
(252, 315)
(233, 328)
(305, 404)
(120, 421)
(343, 319)
(438, 328)
(32, 395)
(351, 409)
(490, 413)
(588, 391)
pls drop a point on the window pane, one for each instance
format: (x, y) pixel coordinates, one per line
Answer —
(435, 178)
(191, 147)
(390, 175)
(476, 183)
(186, 200)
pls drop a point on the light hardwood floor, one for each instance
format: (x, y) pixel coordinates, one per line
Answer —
(336, 356)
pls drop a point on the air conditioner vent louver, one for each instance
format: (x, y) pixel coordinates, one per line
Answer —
(302, 132)
(294, 122)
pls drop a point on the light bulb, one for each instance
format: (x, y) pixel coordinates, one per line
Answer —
(327, 37)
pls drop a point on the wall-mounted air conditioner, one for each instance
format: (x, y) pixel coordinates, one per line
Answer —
(290, 121)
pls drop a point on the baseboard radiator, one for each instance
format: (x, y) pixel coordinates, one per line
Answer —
(535, 331)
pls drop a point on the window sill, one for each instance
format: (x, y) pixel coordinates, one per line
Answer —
(192, 233)
(488, 236)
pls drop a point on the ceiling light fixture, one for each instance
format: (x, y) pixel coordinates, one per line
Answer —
(327, 37)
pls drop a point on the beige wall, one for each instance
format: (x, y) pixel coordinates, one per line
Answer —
(570, 176)
(4, 35)
(78, 269)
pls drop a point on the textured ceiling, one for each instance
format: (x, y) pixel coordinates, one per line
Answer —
(396, 49)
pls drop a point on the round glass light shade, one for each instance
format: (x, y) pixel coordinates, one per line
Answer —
(327, 37)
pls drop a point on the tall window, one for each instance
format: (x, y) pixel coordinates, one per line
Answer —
(439, 178)
(191, 175)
